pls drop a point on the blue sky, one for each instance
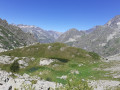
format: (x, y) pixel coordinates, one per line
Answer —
(59, 15)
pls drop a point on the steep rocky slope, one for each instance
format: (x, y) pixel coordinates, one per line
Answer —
(12, 36)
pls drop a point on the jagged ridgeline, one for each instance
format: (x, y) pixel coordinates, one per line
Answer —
(58, 51)
(104, 39)
(42, 36)
(12, 36)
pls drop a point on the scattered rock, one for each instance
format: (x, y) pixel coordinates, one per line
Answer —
(49, 47)
(22, 63)
(26, 76)
(104, 84)
(62, 48)
(88, 55)
(20, 81)
(74, 71)
(32, 58)
(5, 60)
(73, 56)
(63, 77)
(80, 65)
(55, 65)
(16, 58)
(1, 49)
(46, 61)
(40, 73)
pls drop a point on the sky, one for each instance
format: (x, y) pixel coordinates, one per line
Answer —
(59, 15)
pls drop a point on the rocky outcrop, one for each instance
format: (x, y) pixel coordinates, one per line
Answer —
(23, 82)
(23, 61)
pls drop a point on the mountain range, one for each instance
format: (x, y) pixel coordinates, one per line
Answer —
(29, 65)
(42, 36)
(12, 36)
(102, 39)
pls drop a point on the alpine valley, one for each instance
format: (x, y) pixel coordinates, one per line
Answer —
(32, 58)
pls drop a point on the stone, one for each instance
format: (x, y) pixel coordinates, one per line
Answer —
(46, 61)
(10, 88)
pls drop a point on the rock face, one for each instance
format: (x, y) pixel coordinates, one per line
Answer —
(41, 35)
(104, 40)
(12, 36)
(70, 36)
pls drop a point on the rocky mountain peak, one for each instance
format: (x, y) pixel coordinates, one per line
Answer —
(70, 36)
(42, 36)
(26, 28)
(114, 22)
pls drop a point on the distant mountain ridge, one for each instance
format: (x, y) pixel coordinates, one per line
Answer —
(102, 39)
(70, 36)
(41, 35)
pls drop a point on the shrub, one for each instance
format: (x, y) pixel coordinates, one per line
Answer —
(48, 79)
(15, 66)
(34, 81)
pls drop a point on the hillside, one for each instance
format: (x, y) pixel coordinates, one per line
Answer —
(41, 65)
(57, 59)
(53, 50)
(12, 37)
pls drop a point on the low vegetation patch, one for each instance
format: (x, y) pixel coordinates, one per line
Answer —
(15, 67)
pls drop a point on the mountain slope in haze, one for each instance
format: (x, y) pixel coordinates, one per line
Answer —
(70, 36)
(55, 34)
(12, 36)
(104, 40)
(41, 35)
